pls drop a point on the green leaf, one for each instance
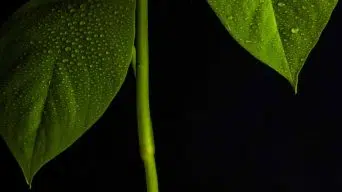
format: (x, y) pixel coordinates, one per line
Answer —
(61, 65)
(280, 33)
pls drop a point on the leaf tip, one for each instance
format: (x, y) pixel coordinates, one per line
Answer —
(28, 176)
(296, 89)
(29, 182)
(294, 85)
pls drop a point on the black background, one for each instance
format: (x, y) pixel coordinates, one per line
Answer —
(222, 120)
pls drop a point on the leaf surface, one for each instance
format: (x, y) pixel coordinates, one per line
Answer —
(280, 33)
(61, 64)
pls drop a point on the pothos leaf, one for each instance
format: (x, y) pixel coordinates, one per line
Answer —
(61, 64)
(280, 33)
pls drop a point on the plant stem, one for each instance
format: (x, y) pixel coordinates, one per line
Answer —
(146, 140)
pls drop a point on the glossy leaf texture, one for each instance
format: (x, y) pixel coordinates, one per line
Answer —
(280, 33)
(61, 64)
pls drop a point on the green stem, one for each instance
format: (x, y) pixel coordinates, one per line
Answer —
(146, 140)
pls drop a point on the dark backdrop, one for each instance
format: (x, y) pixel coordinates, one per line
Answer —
(222, 120)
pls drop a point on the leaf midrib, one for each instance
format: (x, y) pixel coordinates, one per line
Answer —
(282, 46)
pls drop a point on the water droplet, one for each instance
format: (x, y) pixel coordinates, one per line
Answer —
(281, 4)
(294, 30)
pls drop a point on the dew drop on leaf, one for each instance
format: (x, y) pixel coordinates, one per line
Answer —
(281, 4)
(294, 30)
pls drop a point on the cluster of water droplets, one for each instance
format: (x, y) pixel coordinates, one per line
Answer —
(77, 49)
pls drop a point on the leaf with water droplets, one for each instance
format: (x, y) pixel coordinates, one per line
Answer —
(283, 32)
(61, 64)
